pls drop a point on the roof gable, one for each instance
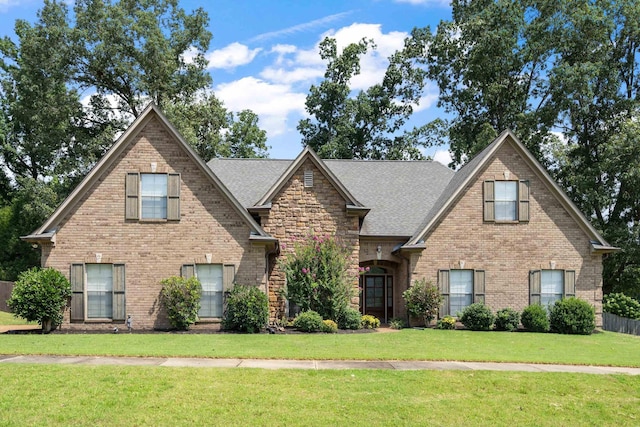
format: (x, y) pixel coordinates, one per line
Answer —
(471, 171)
(46, 232)
(308, 154)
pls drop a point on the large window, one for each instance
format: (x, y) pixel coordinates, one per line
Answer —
(99, 291)
(153, 189)
(551, 286)
(210, 277)
(460, 288)
(506, 200)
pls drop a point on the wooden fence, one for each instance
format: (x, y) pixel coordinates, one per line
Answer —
(613, 323)
(5, 294)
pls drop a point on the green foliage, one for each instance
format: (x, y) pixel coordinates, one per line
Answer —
(370, 322)
(447, 322)
(329, 326)
(350, 318)
(318, 277)
(477, 317)
(572, 316)
(397, 323)
(621, 305)
(180, 297)
(507, 319)
(423, 300)
(247, 309)
(535, 319)
(40, 295)
(368, 125)
(308, 321)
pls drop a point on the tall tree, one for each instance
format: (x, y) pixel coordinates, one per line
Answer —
(141, 50)
(368, 124)
(545, 67)
(213, 131)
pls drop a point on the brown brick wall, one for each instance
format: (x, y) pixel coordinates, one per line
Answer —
(152, 251)
(507, 252)
(297, 211)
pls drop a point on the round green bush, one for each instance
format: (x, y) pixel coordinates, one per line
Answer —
(40, 295)
(308, 321)
(621, 305)
(477, 317)
(349, 318)
(181, 298)
(447, 322)
(247, 309)
(370, 322)
(534, 318)
(329, 326)
(572, 316)
(507, 319)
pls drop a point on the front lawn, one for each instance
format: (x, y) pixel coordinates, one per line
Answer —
(9, 319)
(119, 395)
(605, 348)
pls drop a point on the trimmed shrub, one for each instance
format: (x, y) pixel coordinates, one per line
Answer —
(247, 309)
(397, 323)
(308, 321)
(40, 295)
(534, 318)
(423, 300)
(370, 322)
(621, 305)
(572, 316)
(329, 326)
(349, 318)
(507, 319)
(447, 322)
(477, 317)
(181, 298)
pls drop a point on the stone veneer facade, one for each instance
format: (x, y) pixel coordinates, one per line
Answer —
(507, 252)
(154, 250)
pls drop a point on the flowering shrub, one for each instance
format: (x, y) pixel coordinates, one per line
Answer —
(329, 326)
(423, 300)
(370, 322)
(317, 276)
(621, 305)
(447, 322)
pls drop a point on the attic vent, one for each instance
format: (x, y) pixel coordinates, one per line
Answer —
(308, 178)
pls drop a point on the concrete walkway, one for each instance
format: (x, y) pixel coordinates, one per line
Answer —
(314, 364)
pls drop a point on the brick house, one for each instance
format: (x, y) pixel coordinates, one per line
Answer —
(498, 230)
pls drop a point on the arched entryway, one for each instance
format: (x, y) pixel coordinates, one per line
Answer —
(376, 297)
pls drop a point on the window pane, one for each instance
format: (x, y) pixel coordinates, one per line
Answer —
(99, 291)
(154, 195)
(506, 200)
(551, 286)
(210, 276)
(460, 290)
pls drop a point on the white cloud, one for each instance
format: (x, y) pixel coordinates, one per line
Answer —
(307, 26)
(231, 56)
(435, 3)
(272, 102)
(442, 156)
(300, 74)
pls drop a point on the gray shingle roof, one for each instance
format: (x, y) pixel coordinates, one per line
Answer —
(399, 193)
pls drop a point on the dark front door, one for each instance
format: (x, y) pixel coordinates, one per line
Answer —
(378, 297)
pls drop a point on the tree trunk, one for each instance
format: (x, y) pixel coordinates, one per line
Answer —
(46, 326)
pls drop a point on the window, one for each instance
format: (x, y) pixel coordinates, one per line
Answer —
(548, 286)
(506, 201)
(152, 196)
(210, 277)
(460, 288)
(97, 291)
(153, 189)
(215, 279)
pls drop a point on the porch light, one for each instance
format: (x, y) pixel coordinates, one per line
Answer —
(379, 252)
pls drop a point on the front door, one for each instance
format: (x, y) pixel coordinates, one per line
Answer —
(378, 296)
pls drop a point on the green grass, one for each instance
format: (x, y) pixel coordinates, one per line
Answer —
(606, 348)
(9, 319)
(137, 396)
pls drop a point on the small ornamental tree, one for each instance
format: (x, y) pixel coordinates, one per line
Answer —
(40, 295)
(318, 276)
(181, 298)
(423, 300)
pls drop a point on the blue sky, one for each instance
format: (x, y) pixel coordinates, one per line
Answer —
(264, 54)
